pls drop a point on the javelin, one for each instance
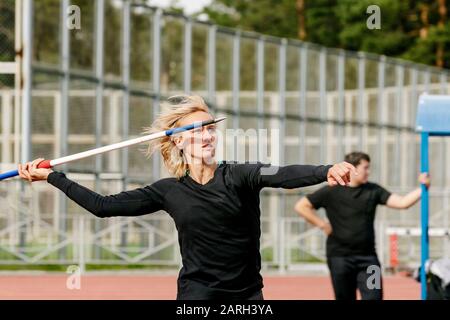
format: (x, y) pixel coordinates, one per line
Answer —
(81, 155)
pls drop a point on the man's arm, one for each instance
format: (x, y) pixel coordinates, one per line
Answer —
(396, 201)
(306, 210)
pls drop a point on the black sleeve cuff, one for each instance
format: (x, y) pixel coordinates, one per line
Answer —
(322, 171)
(55, 176)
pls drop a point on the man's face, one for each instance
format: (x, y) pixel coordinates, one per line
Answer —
(363, 170)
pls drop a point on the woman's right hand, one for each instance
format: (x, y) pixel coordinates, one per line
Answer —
(29, 171)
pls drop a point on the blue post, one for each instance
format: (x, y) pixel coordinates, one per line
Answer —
(424, 214)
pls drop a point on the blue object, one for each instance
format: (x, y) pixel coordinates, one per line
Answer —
(433, 119)
(433, 115)
(9, 174)
(189, 127)
(424, 207)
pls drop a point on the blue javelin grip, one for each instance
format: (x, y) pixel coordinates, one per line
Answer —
(192, 126)
(9, 174)
(13, 173)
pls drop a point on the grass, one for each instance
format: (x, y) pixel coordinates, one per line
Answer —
(297, 256)
(267, 255)
(89, 267)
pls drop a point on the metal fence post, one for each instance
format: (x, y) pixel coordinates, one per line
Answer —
(187, 55)
(156, 73)
(125, 102)
(27, 79)
(443, 167)
(414, 96)
(18, 43)
(382, 130)
(361, 86)
(64, 114)
(302, 101)
(236, 79)
(27, 29)
(341, 104)
(260, 85)
(81, 245)
(282, 145)
(399, 79)
(99, 29)
(212, 64)
(322, 103)
(282, 263)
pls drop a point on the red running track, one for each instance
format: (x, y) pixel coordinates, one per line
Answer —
(159, 287)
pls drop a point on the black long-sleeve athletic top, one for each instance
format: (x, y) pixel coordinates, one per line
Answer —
(218, 223)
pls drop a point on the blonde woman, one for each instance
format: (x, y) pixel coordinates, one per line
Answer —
(215, 206)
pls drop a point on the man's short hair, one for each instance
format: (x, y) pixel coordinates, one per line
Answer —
(355, 157)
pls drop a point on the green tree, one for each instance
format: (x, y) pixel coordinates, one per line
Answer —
(322, 22)
(273, 17)
(7, 38)
(411, 29)
(354, 34)
(7, 30)
(431, 31)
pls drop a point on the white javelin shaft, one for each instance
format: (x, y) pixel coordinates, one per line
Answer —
(127, 143)
(111, 147)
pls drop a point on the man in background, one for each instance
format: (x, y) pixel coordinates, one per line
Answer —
(350, 229)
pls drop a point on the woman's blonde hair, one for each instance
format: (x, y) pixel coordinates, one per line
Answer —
(172, 111)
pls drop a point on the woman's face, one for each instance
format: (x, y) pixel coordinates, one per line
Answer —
(199, 144)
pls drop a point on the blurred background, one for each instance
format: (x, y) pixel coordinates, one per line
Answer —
(313, 70)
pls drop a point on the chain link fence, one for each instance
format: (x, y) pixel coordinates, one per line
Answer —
(103, 83)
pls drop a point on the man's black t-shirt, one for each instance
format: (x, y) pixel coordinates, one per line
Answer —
(218, 223)
(351, 212)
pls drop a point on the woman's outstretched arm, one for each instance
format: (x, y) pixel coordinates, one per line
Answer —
(291, 176)
(261, 175)
(127, 203)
